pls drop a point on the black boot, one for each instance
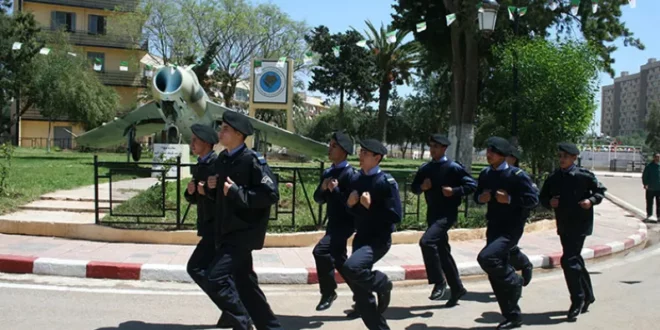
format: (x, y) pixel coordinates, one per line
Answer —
(527, 275)
(384, 298)
(510, 324)
(326, 301)
(455, 296)
(575, 310)
(224, 322)
(438, 292)
(587, 303)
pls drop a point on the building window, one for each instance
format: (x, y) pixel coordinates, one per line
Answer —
(60, 19)
(97, 61)
(97, 24)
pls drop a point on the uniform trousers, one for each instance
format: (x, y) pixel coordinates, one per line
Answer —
(364, 281)
(234, 287)
(329, 254)
(518, 260)
(650, 196)
(437, 255)
(506, 284)
(577, 277)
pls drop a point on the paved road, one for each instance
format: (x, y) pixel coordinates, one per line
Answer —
(627, 291)
(628, 189)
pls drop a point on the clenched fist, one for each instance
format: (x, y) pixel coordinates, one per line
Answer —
(585, 204)
(485, 197)
(191, 188)
(228, 185)
(353, 198)
(554, 202)
(212, 181)
(200, 188)
(365, 199)
(426, 185)
(333, 184)
(324, 184)
(502, 196)
(447, 191)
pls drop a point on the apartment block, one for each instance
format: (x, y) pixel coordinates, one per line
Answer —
(626, 104)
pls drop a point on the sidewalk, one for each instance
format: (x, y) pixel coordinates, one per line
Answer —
(608, 174)
(615, 230)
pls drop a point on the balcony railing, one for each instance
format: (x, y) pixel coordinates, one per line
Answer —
(122, 78)
(120, 5)
(87, 38)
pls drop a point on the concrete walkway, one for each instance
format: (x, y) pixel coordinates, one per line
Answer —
(615, 230)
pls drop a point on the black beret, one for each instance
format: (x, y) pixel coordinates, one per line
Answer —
(374, 146)
(568, 148)
(499, 145)
(516, 153)
(440, 139)
(344, 141)
(205, 133)
(239, 122)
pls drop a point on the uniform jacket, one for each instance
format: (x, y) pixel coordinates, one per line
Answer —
(507, 218)
(573, 186)
(651, 176)
(339, 220)
(205, 207)
(376, 223)
(242, 215)
(443, 173)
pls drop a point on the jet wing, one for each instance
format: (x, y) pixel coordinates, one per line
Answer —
(276, 135)
(147, 119)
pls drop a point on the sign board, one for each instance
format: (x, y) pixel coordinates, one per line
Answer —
(271, 82)
(164, 152)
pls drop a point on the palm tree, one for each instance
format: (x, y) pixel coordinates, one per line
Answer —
(395, 62)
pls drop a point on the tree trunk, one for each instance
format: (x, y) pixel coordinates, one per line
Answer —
(382, 110)
(50, 124)
(341, 109)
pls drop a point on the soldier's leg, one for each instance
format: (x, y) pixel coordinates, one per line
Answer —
(429, 244)
(519, 261)
(200, 260)
(222, 287)
(493, 259)
(253, 297)
(570, 263)
(657, 203)
(363, 281)
(325, 269)
(650, 196)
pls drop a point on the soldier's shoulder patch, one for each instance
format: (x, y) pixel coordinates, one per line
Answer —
(390, 179)
(260, 158)
(519, 172)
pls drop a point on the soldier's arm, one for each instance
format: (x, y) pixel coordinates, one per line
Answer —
(468, 184)
(262, 192)
(596, 189)
(416, 186)
(390, 209)
(480, 187)
(191, 198)
(319, 194)
(526, 196)
(645, 176)
(544, 195)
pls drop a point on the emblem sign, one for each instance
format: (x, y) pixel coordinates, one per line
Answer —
(271, 85)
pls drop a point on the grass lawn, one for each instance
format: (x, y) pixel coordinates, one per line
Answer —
(35, 172)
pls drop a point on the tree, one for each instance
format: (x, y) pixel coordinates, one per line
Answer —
(558, 83)
(351, 75)
(457, 45)
(395, 61)
(427, 111)
(653, 126)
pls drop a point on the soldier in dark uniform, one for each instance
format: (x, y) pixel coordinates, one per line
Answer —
(330, 252)
(244, 190)
(201, 144)
(517, 259)
(444, 184)
(572, 192)
(375, 203)
(509, 194)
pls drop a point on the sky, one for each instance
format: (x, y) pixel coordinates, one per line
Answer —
(341, 15)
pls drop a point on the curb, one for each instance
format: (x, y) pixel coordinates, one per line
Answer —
(177, 273)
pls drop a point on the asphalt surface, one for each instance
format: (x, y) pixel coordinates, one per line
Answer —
(628, 189)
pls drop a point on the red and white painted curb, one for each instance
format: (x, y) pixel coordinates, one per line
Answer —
(177, 273)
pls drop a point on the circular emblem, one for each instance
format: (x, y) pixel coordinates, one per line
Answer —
(271, 82)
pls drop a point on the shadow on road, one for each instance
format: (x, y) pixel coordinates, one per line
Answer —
(490, 318)
(139, 325)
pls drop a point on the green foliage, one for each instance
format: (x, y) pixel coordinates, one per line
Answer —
(653, 127)
(427, 111)
(6, 153)
(353, 121)
(557, 86)
(351, 75)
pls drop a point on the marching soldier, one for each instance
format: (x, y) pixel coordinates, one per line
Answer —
(509, 194)
(517, 259)
(202, 142)
(375, 203)
(444, 184)
(244, 189)
(330, 253)
(572, 192)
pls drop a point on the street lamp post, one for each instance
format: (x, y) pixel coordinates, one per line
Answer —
(488, 15)
(516, 101)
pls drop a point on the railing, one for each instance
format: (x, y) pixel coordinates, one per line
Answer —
(90, 38)
(295, 209)
(120, 5)
(122, 78)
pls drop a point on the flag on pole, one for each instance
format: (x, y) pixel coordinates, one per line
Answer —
(633, 3)
(44, 51)
(553, 5)
(480, 7)
(391, 37)
(308, 59)
(362, 43)
(511, 10)
(232, 68)
(335, 50)
(123, 66)
(421, 27)
(594, 6)
(211, 69)
(98, 64)
(280, 62)
(522, 11)
(257, 67)
(16, 46)
(575, 5)
(450, 19)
